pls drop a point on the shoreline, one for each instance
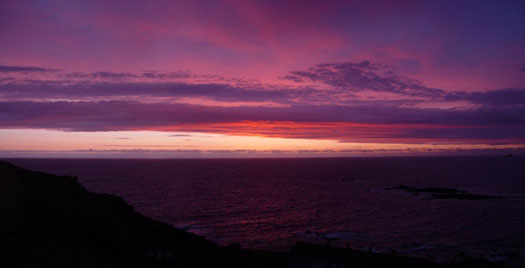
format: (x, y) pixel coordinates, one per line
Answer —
(49, 221)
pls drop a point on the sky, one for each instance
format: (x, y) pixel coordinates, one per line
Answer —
(261, 78)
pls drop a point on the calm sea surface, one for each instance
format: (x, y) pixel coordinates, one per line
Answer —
(273, 203)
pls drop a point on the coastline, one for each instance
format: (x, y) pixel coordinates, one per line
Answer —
(51, 221)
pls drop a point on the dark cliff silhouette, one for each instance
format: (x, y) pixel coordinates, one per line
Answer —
(52, 221)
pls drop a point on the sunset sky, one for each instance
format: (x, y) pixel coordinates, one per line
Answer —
(261, 78)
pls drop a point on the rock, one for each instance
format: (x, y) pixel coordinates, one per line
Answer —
(443, 193)
(52, 221)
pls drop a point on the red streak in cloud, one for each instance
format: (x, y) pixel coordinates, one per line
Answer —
(342, 131)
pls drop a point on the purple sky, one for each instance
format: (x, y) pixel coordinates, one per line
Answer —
(261, 78)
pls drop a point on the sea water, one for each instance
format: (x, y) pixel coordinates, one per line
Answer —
(273, 203)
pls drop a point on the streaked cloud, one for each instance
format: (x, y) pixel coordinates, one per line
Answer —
(325, 72)
(23, 69)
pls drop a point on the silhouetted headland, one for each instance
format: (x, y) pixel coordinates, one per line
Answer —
(53, 221)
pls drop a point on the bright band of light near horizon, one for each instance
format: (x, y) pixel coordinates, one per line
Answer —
(260, 78)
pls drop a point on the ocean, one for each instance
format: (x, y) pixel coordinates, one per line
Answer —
(273, 203)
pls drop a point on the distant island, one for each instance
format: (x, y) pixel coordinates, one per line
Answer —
(53, 221)
(444, 193)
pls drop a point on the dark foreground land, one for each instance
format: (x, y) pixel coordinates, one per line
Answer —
(52, 221)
